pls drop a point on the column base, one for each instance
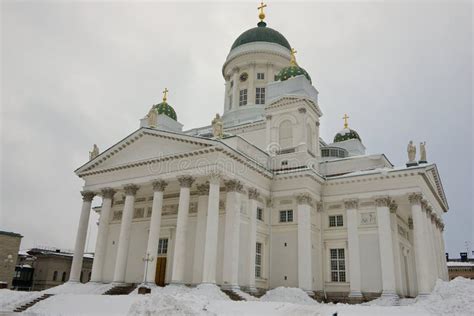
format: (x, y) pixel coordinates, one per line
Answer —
(412, 164)
(356, 294)
(230, 287)
(389, 294)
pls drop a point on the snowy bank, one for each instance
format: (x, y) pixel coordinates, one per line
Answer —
(10, 299)
(288, 295)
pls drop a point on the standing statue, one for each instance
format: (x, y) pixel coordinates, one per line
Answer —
(217, 127)
(152, 118)
(423, 153)
(94, 153)
(411, 149)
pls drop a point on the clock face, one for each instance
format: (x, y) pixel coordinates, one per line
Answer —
(244, 77)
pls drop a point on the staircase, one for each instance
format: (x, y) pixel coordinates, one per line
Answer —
(121, 289)
(232, 295)
(24, 307)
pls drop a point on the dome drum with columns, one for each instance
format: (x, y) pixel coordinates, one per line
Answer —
(257, 199)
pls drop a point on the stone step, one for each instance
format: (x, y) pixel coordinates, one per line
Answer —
(27, 305)
(232, 295)
(121, 289)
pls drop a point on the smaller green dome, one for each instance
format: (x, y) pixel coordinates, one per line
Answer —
(166, 109)
(346, 134)
(292, 71)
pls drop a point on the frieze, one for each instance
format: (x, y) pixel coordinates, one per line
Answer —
(142, 199)
(368, 218)
(335, 207)
(117, 216)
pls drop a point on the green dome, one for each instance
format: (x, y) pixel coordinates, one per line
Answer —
(166, 109)
(346, 134)
(261, 33)
(292, 71)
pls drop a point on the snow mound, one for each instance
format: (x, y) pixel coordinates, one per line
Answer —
(246, 296)
(178, 300)
(288, 295)
(80, 288)
(450, 298)
(209, 291)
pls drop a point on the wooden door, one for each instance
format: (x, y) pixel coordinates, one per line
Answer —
(160, 271)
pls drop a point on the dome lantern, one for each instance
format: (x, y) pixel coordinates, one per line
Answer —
(292, 70)
(346, 133)
(164, 107)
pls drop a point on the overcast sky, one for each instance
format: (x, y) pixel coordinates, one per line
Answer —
(78, 73)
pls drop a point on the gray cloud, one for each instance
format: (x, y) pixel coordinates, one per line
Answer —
(78, 73)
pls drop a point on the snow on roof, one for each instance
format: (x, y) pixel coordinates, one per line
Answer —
(379, 170)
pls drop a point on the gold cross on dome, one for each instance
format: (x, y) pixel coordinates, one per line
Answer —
(261, 15)
(345, 117)
(293, 57)
(164, 94)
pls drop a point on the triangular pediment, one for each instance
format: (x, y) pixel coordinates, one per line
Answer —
(434, 180)
(290, 100)
(143, 145)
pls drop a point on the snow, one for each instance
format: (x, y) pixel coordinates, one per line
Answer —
(10, 299)
(448, 298)
(289, 295)
(80, 288)
(460, 264)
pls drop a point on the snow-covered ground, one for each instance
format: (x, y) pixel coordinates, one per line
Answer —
(448, 298)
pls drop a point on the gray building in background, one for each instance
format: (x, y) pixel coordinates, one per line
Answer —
(9, 247)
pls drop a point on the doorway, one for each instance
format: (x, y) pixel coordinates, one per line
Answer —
(160, 271)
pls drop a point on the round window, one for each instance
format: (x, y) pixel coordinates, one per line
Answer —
(244, 77)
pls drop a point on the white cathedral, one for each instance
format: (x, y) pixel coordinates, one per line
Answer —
(258, 200)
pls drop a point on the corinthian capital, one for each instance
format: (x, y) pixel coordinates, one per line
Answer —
(107, 193)
(203, 188)
(87, 196)
(131, 189)
(382, 201)
(415, 198)
(159, 185)
(214, 177)
(253, 193)
(351, 204)
(319, 207)
(232, 185)
(304, 198)
(393, 207)
(185, 181)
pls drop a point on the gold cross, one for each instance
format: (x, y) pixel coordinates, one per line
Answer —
(345, 120)
(293, 57)
(261, 15)
(164, 94)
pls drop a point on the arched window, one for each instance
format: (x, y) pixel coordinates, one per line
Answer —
(55, 275)
(309, 137)
(63, 278)
(286, 134)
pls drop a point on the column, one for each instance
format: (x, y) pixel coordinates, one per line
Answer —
(387, 259)
(177, 275)
(124, 237)
(320, 264)
(101, 243)
(305, 273)
(251, 89)
(270, 73)
(434, 243)
(235, 88)
(253, 196)
(231, 237)
(396, 248)
(353, 247)
(199, 240)
(155, 226)
(429, 240)
(210, 243)
(421, 244)
(77, 259)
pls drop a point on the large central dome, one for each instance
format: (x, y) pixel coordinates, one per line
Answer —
(261, 33)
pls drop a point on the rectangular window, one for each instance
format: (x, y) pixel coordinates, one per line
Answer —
(338, 265)
(258, 260)
(163, 246)
(260, 213)
(260, 96)
(286, 216)
(260, 76)
(243, 97)
(336, 221)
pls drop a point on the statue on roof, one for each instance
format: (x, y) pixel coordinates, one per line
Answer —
(94, 152)
(423, 152)
(411, 150)
(217, 126)
(152, 117)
